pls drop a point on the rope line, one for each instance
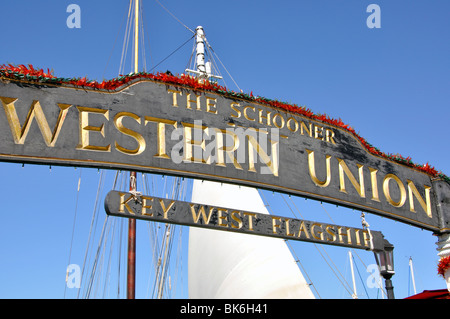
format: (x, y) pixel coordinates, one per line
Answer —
(126, 39)
(90, 235)
(332, 266)
(173, 16)
(338, 274)
(209, 46)
(171, 54)
(112, 50)
(73, 229)
(297, 260)
(359, 274)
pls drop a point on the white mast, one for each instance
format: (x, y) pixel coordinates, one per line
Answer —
(204, 70)
(354, 295)
(412, 274)
(200, 50)
(232, 265)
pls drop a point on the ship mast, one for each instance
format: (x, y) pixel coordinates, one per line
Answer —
(131, 258)
(350, 256)
(204, 69)
(412, 274)
(222, 264)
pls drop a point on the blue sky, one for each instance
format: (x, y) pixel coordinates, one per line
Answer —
(391, 84)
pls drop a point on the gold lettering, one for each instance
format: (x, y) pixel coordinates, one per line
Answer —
(318, 132)
(412, 190)
(174, 96)
(275, 225)
(161, 132)
(349, 235)
(288, 233)
(124, 203)
(222, 219)
(238, 113)
(138, 137)
(332, 232)
(250, 220)
(211, 105)
(343, 168)
(367, 238)
(289, 125)
(163, 206)
(220, 148)
(329, 136)
(320, 232)
(196, 101)
(236, 216)
(303, 127)
(261, 117)
(341, 234)
(245, 113)
(196, 216)
(386, 190)
(190, 142)
(274, 119)
(20, 133)
(280, 120)
(301, 229)
(374, 182)
(271, 162)
(85, 128)
(357, 236)
(312, 170)
(145, 206)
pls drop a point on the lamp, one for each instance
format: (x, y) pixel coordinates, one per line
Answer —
(385, 262)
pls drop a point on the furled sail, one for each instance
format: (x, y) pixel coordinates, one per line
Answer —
(231, 265)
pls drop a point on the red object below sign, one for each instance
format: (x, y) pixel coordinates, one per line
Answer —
(432, 294)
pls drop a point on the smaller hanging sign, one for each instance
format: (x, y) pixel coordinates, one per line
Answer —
(172, 211)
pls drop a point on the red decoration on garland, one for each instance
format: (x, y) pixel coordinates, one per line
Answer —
(443, 265)
(30, 70)
(21, 72)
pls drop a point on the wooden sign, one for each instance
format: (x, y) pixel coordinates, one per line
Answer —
(171, 211)
(155, 127)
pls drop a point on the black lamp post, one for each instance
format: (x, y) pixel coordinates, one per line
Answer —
(385, 262)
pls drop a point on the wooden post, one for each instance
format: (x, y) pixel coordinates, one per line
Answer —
(131, 267)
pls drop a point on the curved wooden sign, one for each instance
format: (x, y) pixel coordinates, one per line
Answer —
(155, 127)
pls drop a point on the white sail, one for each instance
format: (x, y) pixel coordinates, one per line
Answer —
(231, 265)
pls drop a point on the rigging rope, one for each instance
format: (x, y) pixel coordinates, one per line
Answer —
(171, 54)
(378, 282)
(94, 267)
(112, 50)
(336, 272)
(174, 17)
(91, 229)
(98, 260)
(119, 258)
(126, 39)
(297, 260)
(359, 274)
(365, 225)
(73, 230)
(210, 47)
(141, 26)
